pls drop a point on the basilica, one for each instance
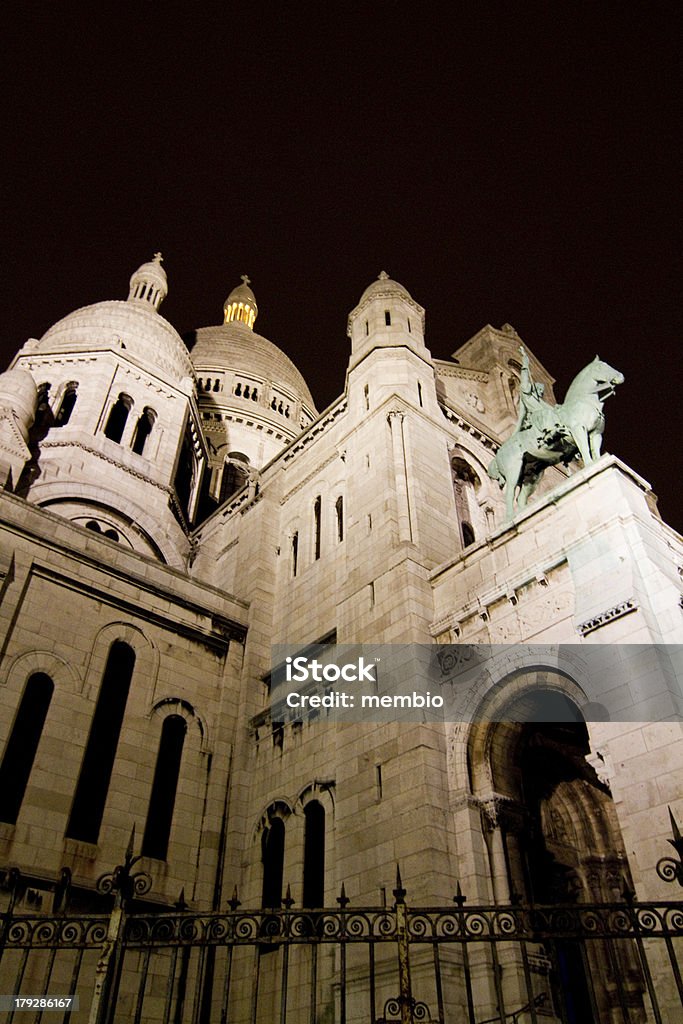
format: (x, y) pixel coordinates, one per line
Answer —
(173, 507)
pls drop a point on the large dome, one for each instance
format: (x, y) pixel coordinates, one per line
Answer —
(236, 347)
(135, 327)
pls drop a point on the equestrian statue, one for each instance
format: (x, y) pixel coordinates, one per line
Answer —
(547, 434)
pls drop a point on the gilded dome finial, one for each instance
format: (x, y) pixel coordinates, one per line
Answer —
(241, 304)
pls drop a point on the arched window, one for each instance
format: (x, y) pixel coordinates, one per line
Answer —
(143, 429)
(118, 417)
(467, 534)
(67, 405)
(22, 745)
(465, 484)
(235, 475)
(185, 472)
(314, 855)
(98, 760)
(339, 510)
(317, 505)
(164, 787)
(273, 858)
(44, 418)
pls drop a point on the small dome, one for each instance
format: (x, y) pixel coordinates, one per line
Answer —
(149, 284)
(241, 304)
(384, 287)
(18, 386)
(389, 292)
(18, 392)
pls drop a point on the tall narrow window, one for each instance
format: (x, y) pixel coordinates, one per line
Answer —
(23, 744)
(317, 504)
(118, 417)
(273, 857)
(314, 855)
(185, 472)
(164, 787)
(295, 552)
(339, 510)
(98, 760)
(143, 429)
(67, 406)
(235, 475)
(387, 318)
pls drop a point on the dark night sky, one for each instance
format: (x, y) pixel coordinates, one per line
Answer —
(505, 162)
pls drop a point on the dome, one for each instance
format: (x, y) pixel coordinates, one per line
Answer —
(131, 326)
(235, 347)
(241, 304)
(395, 298)
(18, 387)
(149, 283)
(18, 391)
(384, 287)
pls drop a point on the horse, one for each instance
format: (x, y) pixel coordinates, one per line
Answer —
(520, 461)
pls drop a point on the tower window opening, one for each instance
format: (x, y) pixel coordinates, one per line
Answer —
(419, 393)
(164, 788)
(22, 745)
(98, 761)
(238, 389)
(366, 396)
(185, 472)
(235, 475)
(339, 510)
(367, 328)
(317, 504)
(216, 384)
(467, 535)
(44, 419)
(67, 405)
(94, 526)
(142, 430)
(295, 553)
(410, 330)
(387, 318)
(118, 418)
(273, 860)
(314, 855)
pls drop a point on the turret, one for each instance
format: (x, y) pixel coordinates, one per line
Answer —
(385, 317)
(148, 285)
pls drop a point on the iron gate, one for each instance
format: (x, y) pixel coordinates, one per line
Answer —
(610, 963)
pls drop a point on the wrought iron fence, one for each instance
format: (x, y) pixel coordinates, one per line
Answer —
(615, 963)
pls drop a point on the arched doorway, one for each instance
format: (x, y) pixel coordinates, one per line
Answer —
(553, 835)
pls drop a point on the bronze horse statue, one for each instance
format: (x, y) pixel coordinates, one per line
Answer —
(561, 432)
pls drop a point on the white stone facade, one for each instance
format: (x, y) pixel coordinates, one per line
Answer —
(374, 522)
